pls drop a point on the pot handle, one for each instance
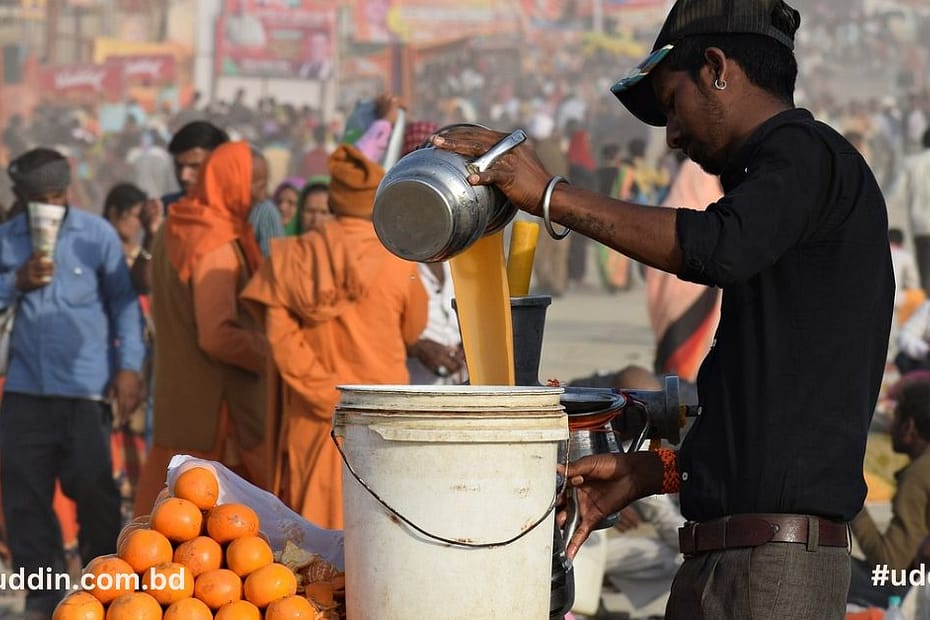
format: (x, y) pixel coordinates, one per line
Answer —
(508, 143)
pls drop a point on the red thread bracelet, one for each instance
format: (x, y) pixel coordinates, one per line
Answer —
(671, 481)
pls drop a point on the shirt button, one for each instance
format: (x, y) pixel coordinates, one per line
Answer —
(78, 271)
(684, 476)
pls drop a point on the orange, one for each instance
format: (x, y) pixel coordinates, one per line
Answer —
(238, 610)
(145, 548)
(188, 609)
(218, 587)
(138, 523)
(134, 606)
(168, 582)
(199, 555)
(269, 584)
(79, 606)
(177, 518)
(227, 522)
(198, 485)
(290, 608)
(114, 576)
(247, 554)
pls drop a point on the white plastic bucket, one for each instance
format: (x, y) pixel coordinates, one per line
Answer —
(457, 518)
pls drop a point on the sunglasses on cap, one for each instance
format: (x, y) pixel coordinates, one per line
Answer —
(640, 71)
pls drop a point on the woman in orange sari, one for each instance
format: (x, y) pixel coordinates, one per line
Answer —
(338, 308)
(210, 356)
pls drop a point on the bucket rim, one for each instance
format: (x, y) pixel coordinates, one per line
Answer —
(527, 390)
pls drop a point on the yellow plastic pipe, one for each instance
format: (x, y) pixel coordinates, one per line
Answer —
(523, 241)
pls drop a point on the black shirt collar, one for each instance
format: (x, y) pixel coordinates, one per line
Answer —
(737, 168)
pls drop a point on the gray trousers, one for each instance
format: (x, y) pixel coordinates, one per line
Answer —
(774, 581)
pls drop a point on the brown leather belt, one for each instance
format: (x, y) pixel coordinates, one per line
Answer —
(752, 530)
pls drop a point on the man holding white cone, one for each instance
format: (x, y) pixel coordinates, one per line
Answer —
(65, 272)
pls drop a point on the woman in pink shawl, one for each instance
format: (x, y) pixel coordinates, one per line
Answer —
(684, 315)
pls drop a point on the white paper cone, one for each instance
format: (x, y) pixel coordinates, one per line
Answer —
(44, 223)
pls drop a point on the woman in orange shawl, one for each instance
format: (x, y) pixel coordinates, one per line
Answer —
(338, 308)
(210, 356)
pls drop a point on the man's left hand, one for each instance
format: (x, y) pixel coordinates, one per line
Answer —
(126, 391)
(606, 483)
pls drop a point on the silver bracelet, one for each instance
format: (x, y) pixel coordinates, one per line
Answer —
(547, 198)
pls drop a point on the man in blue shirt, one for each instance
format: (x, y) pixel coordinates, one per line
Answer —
(76, 348)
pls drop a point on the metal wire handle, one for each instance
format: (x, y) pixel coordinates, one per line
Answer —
(449, 541)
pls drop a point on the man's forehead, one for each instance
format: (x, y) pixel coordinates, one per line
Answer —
(192, 156)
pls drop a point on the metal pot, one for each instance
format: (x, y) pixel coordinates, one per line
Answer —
(426, 210)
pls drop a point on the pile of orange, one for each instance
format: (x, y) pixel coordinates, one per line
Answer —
(191, 559)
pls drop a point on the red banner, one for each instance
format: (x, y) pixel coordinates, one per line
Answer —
(84, 80)
(428, 21)
(274, 42)
(146, 70)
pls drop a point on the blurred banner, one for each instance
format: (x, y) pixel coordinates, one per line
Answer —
(276, 39)
(82, 82)
(427, 21)
(151, 70)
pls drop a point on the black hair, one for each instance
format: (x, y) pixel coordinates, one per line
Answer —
(36, 158)
(197, 135)
(312, 188)
(767, 63)
(609, 152)
(896, 236)
(122, 197)
(27, 174)
(914, 404)
(636, 148)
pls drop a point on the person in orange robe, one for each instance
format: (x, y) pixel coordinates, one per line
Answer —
(338, 308)
(211, 356)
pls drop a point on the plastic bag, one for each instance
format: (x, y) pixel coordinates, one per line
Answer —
(278, 522)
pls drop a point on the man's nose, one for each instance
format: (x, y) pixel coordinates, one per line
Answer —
(188, 175)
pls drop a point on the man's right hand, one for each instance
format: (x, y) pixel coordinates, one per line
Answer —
(518, 173)
(36, 273)
(440, 359)
(387, 107)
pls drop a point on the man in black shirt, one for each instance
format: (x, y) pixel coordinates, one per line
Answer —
(771, 472)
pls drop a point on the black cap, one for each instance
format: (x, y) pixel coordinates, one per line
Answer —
(696, 17)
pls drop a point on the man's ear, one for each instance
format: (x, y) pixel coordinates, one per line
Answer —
(910, 429)
(718, 63)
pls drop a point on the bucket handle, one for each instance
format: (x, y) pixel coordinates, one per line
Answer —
(448, 541)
